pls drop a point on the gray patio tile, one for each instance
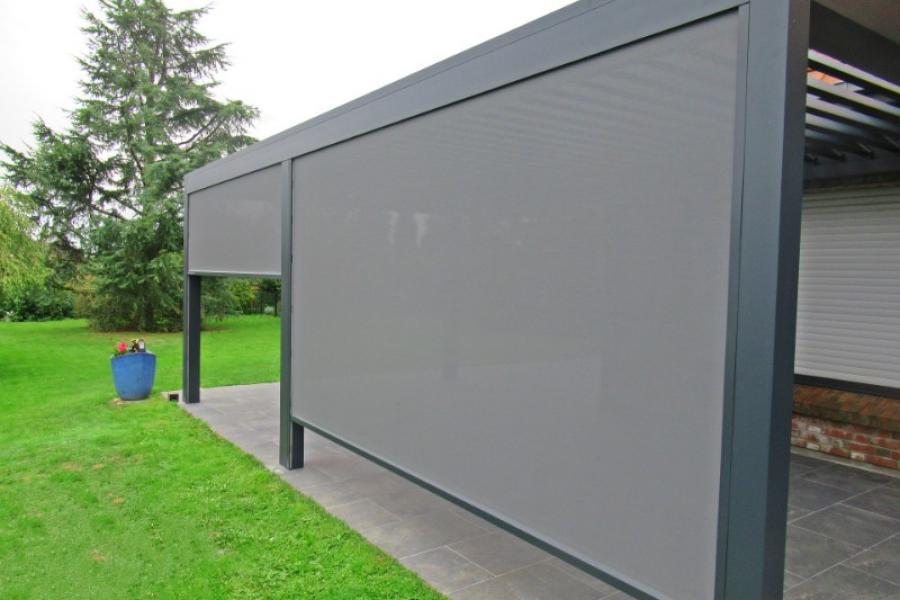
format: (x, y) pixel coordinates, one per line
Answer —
(813, 496)
(848, 478)
(350, 490)
(884, 500)
(537, 582)
(315, 453)
(791, 580)
(619, 596)
(413, 535)
(473, 517)
(226, 431)
(500, 552)
(411, 501)
(445, 569)
(795, 512)
(258, 441)
(246, 438)
(844, 583)
(340, 466)
(849, 524)
(808, 553)
(806, 464)
(881, 561)
(261, 426)
(264, 452)
(305, 478)
(363, 514)
(603, 588)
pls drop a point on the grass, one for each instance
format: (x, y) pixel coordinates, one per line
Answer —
(101, 500)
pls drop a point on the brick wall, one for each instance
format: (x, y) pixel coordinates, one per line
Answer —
(859, 427)
(856, 442)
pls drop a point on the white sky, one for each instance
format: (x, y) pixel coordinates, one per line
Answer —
(291, 59)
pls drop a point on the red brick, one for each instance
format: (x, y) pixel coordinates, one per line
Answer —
(886, 442)
(842, 452)
(837, 433)
(862, 438)
(864, 448)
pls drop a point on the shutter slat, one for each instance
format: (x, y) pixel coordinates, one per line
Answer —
(848, 302)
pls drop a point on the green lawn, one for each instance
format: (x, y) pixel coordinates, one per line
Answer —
(99, 500)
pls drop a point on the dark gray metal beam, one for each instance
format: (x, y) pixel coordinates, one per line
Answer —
(854, 100)
(257, 275)
(290, 438)
(582, 29)
(850, 133)
(191, 339)
(837, 112)
(840, 170)
(838, 142)
(757, 437)
(190, 329)
(839, 37)
(825, 64)
(824, 150)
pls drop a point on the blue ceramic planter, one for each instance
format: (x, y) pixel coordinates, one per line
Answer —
(133, 374)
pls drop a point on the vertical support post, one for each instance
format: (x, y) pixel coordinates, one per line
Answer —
(756, 453)
(191, 332)
(290, 439)
(190, 329)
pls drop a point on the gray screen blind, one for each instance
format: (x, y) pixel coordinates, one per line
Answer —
(522, 299)
(848, 317)
(235, 227)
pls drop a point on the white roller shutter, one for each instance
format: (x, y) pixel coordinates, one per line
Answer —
(848, 317)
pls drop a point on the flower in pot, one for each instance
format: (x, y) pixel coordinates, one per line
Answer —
(134, 370)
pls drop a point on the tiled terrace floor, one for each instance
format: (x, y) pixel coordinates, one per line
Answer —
(843, 532)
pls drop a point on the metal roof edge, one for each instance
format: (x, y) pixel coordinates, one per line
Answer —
(574, 32)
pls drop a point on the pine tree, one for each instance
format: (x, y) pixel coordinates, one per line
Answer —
(145, 117)
(147, 102)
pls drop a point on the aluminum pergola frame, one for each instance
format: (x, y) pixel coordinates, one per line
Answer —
(786, 118)
(852, 101)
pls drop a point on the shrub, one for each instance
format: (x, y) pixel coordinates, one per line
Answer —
(136, 275)
(40, 303)
(243, 292)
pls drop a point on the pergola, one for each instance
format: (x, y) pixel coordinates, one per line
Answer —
(500, 270)
(852, 99)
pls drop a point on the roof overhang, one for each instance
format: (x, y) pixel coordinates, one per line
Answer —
(852, 114)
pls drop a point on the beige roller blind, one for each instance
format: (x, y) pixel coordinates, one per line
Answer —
(848, 314)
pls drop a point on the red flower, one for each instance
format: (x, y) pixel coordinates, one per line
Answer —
(122, 347)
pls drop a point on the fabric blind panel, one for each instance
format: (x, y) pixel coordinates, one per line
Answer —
(522, 299)
(235, 227)
(848, 305)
